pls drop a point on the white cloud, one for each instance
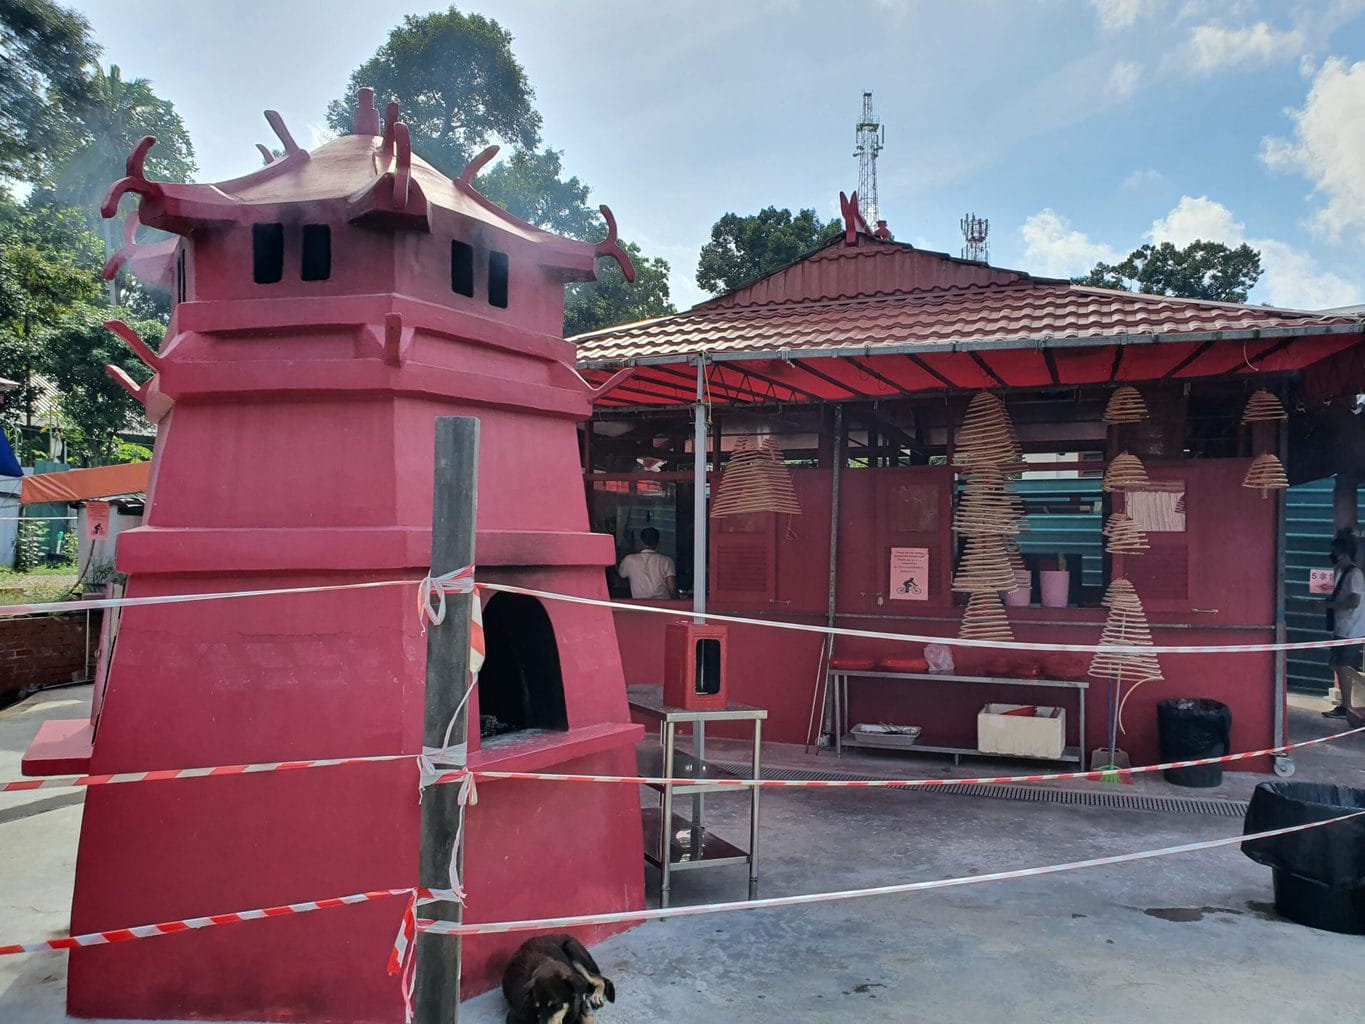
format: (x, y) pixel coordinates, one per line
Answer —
(1328, 147)
(1053, 248)
(1214, 47)
(1123, 79)
(1143, 178)
(1290, 277)
(1199, 219)
(1117, 15)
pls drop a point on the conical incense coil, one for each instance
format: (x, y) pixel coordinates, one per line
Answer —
(1125, 406)
(1125, 536)
(1126, 473)
(1015, 556)
(985, 567)
(1266, 475)
(985, 619)
(1263, 407)
(987, 435)
(985, 508)
(1125, 626)
(1180, 506)
(755, 480)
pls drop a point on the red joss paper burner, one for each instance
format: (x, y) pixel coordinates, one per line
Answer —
(327, 308)
(695, 672)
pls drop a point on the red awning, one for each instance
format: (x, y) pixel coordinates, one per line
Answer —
(86, 484)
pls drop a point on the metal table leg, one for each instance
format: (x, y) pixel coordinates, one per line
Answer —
(838, 685)
(698, 808)
(753, 811)
(666, 817)
(1080, 738)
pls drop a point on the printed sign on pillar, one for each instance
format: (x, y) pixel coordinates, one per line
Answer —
(909, 574)
(97, 520)
(1322, 581)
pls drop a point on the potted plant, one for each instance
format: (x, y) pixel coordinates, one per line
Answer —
(98, 578)
(1054, 585)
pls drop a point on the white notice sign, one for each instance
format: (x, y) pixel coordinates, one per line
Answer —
(909, 574)
(1322, 581)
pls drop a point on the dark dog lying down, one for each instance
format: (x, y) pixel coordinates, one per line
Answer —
(552, 979)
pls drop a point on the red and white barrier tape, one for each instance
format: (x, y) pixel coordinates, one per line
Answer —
(947, 641)
(438, 778)
(147, 931)
(620, 917)
(640, 780)
(52, 607)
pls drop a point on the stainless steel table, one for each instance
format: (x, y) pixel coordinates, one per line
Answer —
(842, 738)
(672, 842)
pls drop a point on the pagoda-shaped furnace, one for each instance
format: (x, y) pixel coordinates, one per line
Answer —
(327, 308)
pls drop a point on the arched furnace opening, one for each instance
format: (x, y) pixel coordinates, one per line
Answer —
(520, 685)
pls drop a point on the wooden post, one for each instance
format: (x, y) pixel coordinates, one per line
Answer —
(437, 986)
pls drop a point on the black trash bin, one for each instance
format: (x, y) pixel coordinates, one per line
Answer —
(1319, 874)
(1188, 730)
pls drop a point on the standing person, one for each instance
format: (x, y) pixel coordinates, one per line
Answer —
(651, 574)
(1346, 614)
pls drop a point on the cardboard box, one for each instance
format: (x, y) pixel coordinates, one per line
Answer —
(1043, 735)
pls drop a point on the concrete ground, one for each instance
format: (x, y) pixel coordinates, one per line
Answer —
(1184, 938)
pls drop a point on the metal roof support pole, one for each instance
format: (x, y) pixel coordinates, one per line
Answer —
(835, 480)
(1281, 544)
(699, 539)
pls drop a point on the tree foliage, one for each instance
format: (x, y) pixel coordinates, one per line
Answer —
(457, 84)
(529, 185)
(611, 300)
(1201, 270)
(45, 53)
(743, 249)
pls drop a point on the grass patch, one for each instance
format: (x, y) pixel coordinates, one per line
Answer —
(53, 583)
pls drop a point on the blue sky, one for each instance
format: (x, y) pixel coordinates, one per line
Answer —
(1080, 129)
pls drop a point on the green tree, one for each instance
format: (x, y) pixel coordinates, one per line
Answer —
(76, 350)
(45, 56)
(1201, 270)
(47, 270)
(612, 300)
(529, 185)
(457, 84)
(743, 249)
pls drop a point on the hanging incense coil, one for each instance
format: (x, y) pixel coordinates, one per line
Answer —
(1126, 473)
(755, 480)
(1265, 475)
(985, 567)
(987, 436)
(1180, 506)
(1126, 626)
(1263, 407)
(985, 619)
(1015, 556)
(985, 507)
(1125, 536)
(1125, 406)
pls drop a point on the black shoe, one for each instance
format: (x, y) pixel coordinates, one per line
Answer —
(1336, 712)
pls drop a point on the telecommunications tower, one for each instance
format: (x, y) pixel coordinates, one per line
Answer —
(871, 136)
(974, 230)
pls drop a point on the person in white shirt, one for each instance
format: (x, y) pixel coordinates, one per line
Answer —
(651, 574)
(1346, 610)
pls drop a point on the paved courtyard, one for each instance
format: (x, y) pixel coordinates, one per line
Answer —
(1185, 938)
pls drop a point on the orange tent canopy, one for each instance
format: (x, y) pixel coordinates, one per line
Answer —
(84, 484)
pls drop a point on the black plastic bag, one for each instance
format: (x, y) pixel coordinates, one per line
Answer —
(1189, 730)
(1333, 855)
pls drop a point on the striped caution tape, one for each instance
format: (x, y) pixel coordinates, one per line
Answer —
(640, 780)
(947, 641)
(620, 917)
(148, 931)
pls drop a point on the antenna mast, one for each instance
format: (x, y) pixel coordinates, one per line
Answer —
(870, 138)
(974, 230)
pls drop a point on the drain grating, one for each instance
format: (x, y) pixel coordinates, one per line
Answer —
(1106, 797)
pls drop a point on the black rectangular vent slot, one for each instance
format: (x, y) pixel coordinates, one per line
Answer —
(317, 252)
(267, 253)
(497, 279)
(462, 268)
(180, 275)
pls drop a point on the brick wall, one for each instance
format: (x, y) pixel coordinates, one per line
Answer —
(46, 649)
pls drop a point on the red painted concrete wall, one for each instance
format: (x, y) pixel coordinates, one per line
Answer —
(47, 650)
(1229, 599)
